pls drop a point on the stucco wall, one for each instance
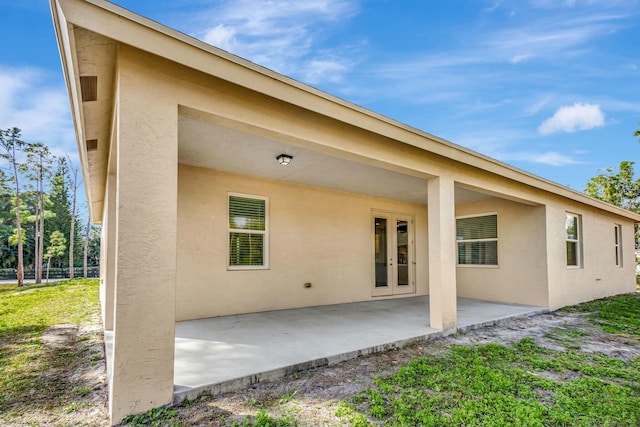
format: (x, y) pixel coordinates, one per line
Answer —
(319, 236)
(598, 276)
(521, 275)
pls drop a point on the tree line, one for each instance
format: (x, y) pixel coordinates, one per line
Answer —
(40, 226)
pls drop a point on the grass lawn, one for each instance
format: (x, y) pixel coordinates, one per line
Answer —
(7, 286)
(526, 384)
(36, 364)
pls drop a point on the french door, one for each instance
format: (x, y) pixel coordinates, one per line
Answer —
(393, 254)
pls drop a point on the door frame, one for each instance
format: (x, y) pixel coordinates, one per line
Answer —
(393, 288)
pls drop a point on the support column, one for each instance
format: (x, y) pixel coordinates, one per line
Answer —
(103, 264)
(108, 253)
(145, 235)
(442, 253)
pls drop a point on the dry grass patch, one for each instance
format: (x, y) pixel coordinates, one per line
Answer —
(51, 355)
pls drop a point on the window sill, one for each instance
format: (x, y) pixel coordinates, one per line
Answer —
(247, 268)
(476, 266)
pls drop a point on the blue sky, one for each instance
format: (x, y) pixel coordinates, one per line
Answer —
(548, 86)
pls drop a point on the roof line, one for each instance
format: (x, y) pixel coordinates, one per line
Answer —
(446, 148)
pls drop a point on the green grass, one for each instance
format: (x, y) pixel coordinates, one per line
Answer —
(167, 417)
(28, 368)
(619, 315)
(523, 385)
(491, 385)
(8, 286)
(262, 419)
(155, 417)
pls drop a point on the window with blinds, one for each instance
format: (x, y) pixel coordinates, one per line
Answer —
(477, 239)
(572, 228)
(248, 237)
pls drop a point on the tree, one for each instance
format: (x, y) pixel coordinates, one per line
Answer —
(64, 185)
(85, 254)
(92, 253)
(11, 146)
(38, 169)
(618, 188)
(56, 249)
(7, 219)
(34, 202)
(74, 190)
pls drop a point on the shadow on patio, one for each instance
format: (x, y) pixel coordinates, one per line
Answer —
(227, 353)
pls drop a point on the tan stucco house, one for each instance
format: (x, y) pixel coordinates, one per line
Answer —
(184, 150)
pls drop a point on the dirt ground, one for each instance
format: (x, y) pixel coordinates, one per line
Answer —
(312, 397)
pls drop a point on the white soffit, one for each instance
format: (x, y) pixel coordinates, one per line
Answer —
(216, 147)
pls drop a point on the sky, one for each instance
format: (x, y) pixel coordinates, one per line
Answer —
(548, 86)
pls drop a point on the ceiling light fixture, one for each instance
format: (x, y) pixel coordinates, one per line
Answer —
(284, 159)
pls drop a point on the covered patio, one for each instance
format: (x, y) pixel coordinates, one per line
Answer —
(230, 352)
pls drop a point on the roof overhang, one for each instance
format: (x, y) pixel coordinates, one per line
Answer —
(88, 33)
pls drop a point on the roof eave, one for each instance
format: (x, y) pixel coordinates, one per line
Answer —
(178, 47)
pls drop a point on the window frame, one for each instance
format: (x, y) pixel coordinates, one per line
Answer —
(617, 244)
(264, 233)
(489, 239)
(577, 241)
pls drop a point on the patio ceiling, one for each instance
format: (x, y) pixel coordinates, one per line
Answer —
(210, 145)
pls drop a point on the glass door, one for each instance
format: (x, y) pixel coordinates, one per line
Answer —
(382, 270)
(394, 264)
(402, 252)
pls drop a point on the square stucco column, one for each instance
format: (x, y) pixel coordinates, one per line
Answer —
(442, 253)
(141, 377)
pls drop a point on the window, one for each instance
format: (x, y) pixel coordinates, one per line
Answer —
(617, 229)
(248, 237)
(477, 238)
(572, 227)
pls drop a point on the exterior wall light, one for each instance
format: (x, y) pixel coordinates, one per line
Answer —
(284, 159)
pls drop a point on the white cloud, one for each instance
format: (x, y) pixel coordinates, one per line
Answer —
(620, 105)
(573, 118)
(491, 8)
(553, 158)
(222, 37)
(40, 111)
(499, 144)
(479, 63)
(318, 70)
(516, 59)
(550, 158)
(536, 105)
(549, 37)
(280, 34)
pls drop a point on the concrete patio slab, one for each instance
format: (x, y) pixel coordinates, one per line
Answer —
(226, 353)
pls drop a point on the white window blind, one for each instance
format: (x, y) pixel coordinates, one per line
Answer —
(247, 231)
(477, 239)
